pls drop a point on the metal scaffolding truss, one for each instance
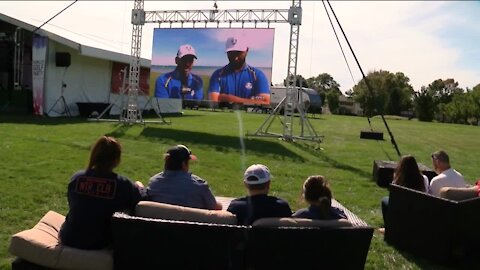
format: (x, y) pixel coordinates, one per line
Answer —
(221, 16)
(290, 104)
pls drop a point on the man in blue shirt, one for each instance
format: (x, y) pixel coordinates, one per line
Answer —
(181, 83)
(238, 82)
(258, 204)
(177, 186)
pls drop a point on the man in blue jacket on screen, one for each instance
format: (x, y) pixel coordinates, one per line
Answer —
(181, 83)
(238, 82)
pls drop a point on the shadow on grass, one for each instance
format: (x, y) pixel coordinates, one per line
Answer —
(119, 131)
(220, 143)
(334, 163)
(39, 120)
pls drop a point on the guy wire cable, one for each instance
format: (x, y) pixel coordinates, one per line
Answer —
(392, 139)
(338, 40)
(350, 70)
(54, 16)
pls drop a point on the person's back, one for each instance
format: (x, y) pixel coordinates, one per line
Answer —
(316, 191)
(250, 208)
(181, 188)
(177, 186)
(447, 176)
(258, 204)
(93, 198)
(407, 174)
(94, 195)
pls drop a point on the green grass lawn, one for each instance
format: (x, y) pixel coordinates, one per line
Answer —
(38, 156)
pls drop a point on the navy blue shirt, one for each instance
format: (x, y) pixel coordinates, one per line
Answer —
(313, 212)
(249, 82)
(169, 85)
(250, 208)
(92, 199)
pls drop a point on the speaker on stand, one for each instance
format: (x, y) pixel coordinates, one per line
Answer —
(62, 59)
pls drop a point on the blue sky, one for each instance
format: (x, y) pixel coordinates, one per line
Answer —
(210, 45)
(426, 40)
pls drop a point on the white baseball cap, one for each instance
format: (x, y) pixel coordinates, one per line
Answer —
(235, 44)
(186, 49)
(256, 174)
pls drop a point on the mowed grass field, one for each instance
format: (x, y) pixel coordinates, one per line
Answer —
(38, 156)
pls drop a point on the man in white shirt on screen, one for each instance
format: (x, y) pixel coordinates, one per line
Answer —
(447, 176)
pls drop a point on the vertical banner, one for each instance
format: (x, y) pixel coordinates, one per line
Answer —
(39, 60)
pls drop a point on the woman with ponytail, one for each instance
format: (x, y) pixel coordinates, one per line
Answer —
(317, 193)
(95, 194)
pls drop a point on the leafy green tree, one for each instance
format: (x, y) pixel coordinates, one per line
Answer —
(424, 105)
(459, 110)
(476, 88)
(390, 94)
(333, 101)
(474, 96)
(324, 83)
(299, 82)
(443, 92)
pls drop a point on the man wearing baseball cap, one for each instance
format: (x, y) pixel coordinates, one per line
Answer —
(258, 204)
(181, 83)
(238, 82)
(177, 186)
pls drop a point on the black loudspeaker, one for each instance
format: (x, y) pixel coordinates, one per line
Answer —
(62, 59)
(371, 135)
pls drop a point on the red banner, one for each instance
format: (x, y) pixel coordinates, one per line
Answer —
(118, 75)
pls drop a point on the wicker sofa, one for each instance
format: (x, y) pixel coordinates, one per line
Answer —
(162, 236)
(273, 243)
(440, 229)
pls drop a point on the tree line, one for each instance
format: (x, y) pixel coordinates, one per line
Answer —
(392, 94)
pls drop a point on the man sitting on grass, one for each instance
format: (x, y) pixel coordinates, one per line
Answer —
(177, 186)
(258, 204)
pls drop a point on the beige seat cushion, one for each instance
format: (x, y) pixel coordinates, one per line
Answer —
(173, 212)
(459, 194)
(300, 222)
(40, 245)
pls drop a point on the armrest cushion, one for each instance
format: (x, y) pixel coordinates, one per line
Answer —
(150, 209)
(459, 194)
(300, 222)
(41, 245)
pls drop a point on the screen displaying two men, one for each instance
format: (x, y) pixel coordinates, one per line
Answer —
(216, 64)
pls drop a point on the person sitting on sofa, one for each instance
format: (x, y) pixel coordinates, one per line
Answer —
(177, 186)
(447, 176)
(95, 194)
(316, 191)
(258, 204)
(406, 174)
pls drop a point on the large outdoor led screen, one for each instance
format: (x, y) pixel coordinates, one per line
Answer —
(221, 65)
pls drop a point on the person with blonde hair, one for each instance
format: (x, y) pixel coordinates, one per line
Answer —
(317, 193)
(95, 194)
